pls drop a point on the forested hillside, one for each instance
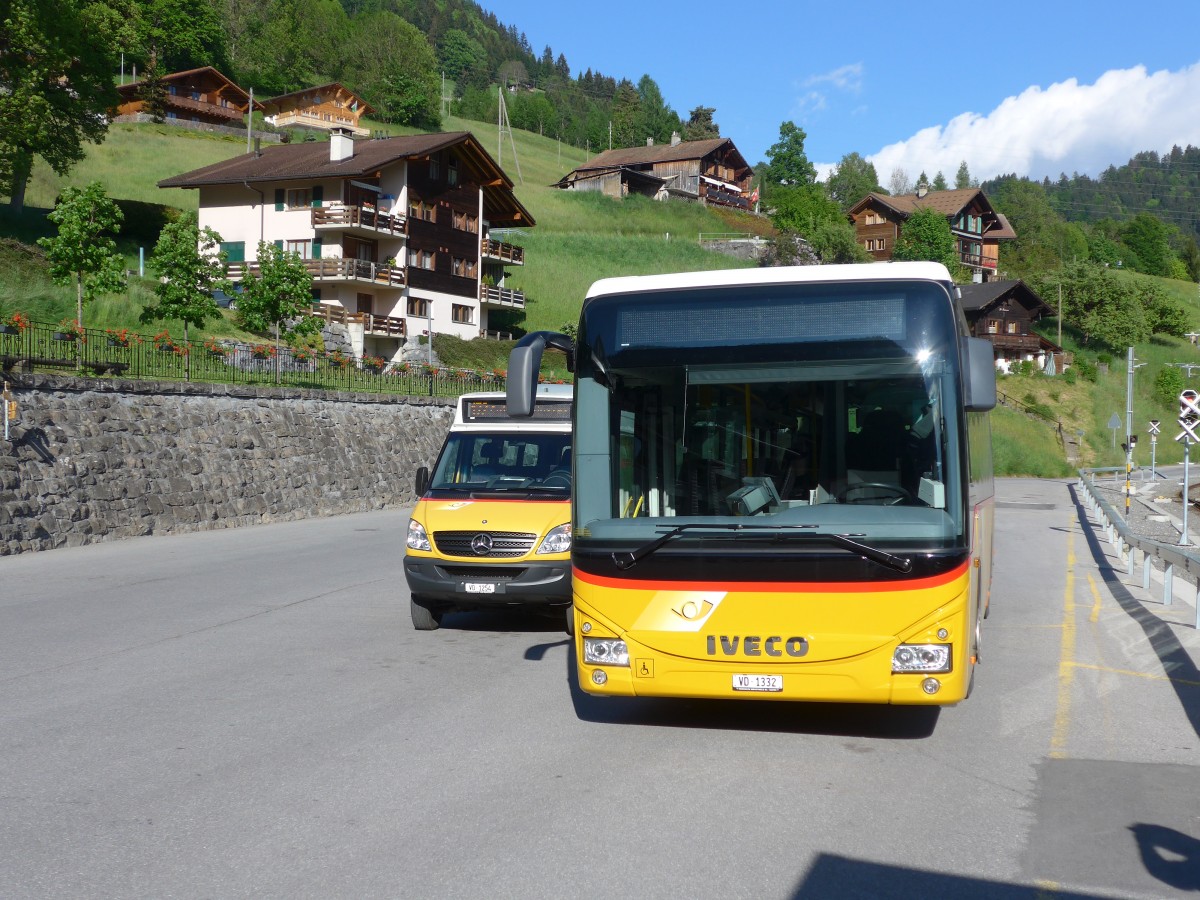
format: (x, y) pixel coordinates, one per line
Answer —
(1142, 216)
(396, 53)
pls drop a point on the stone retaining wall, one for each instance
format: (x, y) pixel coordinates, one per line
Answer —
(92, 460)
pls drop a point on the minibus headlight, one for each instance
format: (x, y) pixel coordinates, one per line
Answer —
(557, 541)
(605, 652)
(417, 538)
(921, 658)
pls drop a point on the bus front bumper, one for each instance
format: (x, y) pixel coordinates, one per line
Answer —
(540, 583)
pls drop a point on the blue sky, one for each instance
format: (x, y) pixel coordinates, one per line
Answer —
(1035, 88)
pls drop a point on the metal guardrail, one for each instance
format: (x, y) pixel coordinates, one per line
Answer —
(1120, 536)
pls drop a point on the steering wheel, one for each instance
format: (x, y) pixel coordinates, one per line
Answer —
(896, 492)
(557, 479)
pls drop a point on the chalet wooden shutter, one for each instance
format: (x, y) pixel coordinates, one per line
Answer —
(318, 194)
(279, 244)
(279, 199)
(316, 247)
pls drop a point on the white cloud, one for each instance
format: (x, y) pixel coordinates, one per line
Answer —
(846, 78)
(1067, 127)
(812, 99)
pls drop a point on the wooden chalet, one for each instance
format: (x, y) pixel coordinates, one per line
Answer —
(711, 171)
(324, 108)
(1003, 313)
(396, 233)
(878, 220)
(201, 95)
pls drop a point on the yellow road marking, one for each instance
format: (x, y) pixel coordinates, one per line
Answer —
(1150, 675)
(1066, 656)
(1095, 616)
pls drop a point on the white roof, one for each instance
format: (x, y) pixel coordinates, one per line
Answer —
(881, 271)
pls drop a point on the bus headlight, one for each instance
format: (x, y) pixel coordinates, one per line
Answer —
(417, 538)
(605, 652)
(921, 658)
(557, 541)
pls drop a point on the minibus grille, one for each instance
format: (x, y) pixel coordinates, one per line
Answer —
(484, 544)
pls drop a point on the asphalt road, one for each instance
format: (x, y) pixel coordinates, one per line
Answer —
(249, 713)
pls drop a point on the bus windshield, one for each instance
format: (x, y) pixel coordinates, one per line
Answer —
(474, 461)
(828, 406)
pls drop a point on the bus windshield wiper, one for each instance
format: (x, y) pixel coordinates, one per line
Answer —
(627, 559)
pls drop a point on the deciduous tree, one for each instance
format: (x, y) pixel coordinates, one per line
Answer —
(279, 297)
(57, 59)
(851, 180)
(83, 251)
(190, 268)
(787, 162)
(926, 235)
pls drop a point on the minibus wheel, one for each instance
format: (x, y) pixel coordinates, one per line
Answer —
(424, 616)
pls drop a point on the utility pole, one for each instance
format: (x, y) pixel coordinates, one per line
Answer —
(250, 120)
(1060, 314)
(503, 125)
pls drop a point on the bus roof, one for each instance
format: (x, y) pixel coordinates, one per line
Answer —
(881, 271)
(549, 391)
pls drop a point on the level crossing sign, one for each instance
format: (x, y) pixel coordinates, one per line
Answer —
(1189, 416)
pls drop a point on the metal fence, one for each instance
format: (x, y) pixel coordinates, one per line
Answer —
(1127, 544)
(33, 347)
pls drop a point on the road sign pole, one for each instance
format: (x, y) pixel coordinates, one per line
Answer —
(1183, 534)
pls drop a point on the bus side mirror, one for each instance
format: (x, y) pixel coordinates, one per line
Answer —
(422, 480)
(524, 361)
(979, 374)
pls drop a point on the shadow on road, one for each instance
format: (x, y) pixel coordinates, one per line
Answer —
(855, 879)
(1184, 676)
(1169, 855)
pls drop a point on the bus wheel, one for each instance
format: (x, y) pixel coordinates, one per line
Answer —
(571, 621)
(424, 617)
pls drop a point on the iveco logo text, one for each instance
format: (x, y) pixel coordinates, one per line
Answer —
(753, 645)
(481, 544)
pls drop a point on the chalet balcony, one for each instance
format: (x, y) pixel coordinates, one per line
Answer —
(372, 324)
(308, 120)
(725, 198)
(359, 220)
(500, 296)
(1025, 343)
(179, 101)
(509, 254)
(975, 261)
(336, 269)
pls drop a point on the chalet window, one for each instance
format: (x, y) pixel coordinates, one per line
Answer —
(419, 209)
(421, 259)
(464, 268)
(302, 247)
(195, 95)
(452, 171)
(1013, 328)
(299, 198)
(462, 314)
(435, 171)
(466, 222)
(235, 251)
(993, 327)
(418, 307)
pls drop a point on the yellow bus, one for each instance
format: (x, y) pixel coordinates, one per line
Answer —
(491, 528)
(782, 484)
